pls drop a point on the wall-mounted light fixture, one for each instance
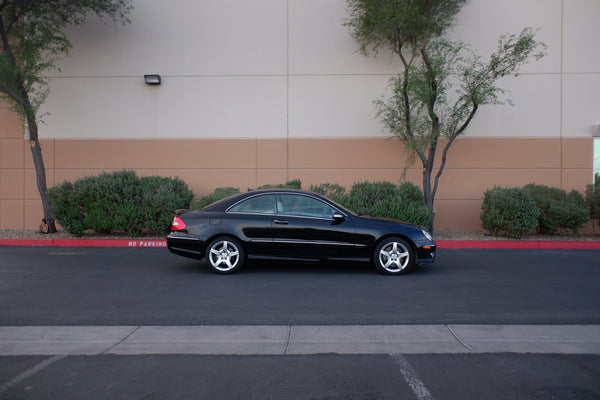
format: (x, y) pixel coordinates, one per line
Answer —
(153, 79)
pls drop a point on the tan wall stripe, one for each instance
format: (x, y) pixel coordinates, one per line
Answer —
(474, 164)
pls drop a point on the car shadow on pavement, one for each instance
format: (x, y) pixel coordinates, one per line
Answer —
(294, 267)
(308, 267)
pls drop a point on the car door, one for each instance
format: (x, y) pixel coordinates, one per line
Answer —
(251, 220)
(305, 228)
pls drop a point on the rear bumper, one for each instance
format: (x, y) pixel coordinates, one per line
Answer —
(185, 245)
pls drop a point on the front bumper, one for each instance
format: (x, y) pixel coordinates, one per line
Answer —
(426, 254)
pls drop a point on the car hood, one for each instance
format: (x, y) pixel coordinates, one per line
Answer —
(381, 219)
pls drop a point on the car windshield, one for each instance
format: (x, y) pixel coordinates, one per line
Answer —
(342, 208)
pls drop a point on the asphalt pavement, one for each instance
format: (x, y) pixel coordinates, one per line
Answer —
(151, 287)
(140, 323)
(95, 301)
(323, 376)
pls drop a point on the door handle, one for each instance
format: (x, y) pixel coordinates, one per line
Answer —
(280, 222)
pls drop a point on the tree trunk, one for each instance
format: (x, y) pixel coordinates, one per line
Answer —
(40, 172)
(429, 194)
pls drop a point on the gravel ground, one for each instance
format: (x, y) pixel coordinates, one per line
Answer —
(441, 235)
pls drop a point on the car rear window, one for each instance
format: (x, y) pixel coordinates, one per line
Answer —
(264, 204)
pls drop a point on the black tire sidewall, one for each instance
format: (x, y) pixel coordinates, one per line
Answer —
(241, 256)
(385, 242)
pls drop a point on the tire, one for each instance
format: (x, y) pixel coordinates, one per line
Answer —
(394, 256)
(225, 255)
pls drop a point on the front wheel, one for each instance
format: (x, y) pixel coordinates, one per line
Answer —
(394, 256)
(225, 255)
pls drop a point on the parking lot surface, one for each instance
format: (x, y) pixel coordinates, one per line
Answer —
(107, 323)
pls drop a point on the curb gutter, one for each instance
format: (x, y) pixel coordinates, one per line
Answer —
(442, 244)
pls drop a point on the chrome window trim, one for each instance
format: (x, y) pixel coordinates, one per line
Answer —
(259, 240)
(319, 242)
(280, 215)
(310, 197)
(228, 210)
(305, 216)
(249, 213)
(186, 237)
(316, 198)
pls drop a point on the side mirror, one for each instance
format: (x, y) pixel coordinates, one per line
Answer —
(338, 218)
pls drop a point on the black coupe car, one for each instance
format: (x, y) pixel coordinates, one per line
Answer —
(295, 225)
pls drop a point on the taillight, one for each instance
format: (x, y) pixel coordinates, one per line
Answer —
(177, 224)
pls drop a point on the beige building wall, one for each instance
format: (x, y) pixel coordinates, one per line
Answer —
(205, 164)
(264, 91)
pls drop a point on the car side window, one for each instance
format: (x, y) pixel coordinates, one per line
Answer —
(291, 204)
(258, 205)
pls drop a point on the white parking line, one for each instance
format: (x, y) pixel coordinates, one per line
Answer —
(410, 376)
(29, 372)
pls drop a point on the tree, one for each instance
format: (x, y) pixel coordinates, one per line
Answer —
(443, 83)
(32, 40)
(592, 197)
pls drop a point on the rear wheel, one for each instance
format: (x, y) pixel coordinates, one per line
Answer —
(225, 255)
(394, 256)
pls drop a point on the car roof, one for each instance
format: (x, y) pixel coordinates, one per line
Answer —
(224, 204)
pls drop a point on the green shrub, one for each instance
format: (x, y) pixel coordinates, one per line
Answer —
(415, 208)
(371, 198)
(332, 191)
(387, 200)
(558, 209)
(509, 211)
(592, 198)
(64, 208)
(160, 197)
(218, 194)
(118, 201)
(293, 184)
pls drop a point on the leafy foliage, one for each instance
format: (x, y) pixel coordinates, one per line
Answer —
(33, 40)
(509, 211)
(592, 198)
(381, 199)
(332, 191)
(293, 184)
(119, 201)
(218, 194)
(377, 24)
(443, 83)
(387, 200)
(224, 192)
(516, 211)
(558, 210)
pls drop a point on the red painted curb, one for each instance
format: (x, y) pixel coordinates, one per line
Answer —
(442, 244)
(142, 243)
(515, 244)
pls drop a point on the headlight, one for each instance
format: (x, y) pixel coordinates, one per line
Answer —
(427, 234)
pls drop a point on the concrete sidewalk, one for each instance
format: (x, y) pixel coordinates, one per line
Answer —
(298, 339)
